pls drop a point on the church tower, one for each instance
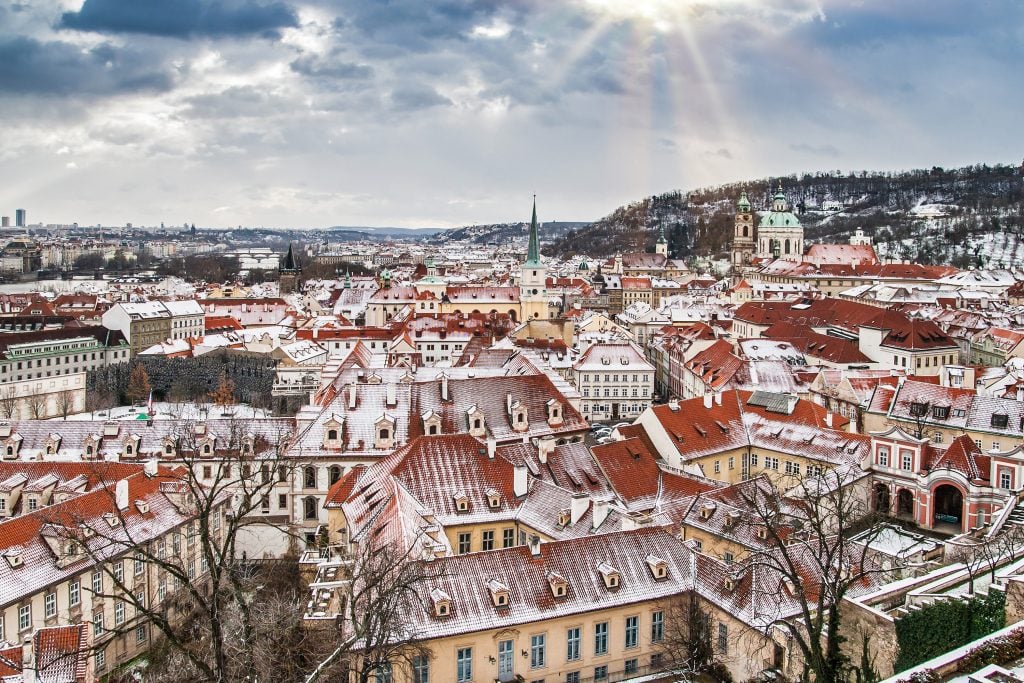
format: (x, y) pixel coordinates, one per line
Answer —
(533, 301)
(744, 235)
(780, 234)
(661, 246)
(288, 273)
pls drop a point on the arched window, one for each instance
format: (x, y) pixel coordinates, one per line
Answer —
(746, 230)
(335, 474)
(168, 449)
(206, 449)
(787, 246)
(477, 424)
(432, 430)
(385, 434)
(309, 507)
(309, 477)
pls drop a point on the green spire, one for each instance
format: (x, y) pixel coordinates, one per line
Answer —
(744, 203)
(661, 234)
(533, 253)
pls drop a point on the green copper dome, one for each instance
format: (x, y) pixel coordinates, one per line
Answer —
(744, 203)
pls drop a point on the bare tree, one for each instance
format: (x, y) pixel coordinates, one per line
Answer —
(228, 619)
(813, 560)
(66, 403)
(99, 399)
(686, 649)
(211, 622)
(9, 403)
(36, 405)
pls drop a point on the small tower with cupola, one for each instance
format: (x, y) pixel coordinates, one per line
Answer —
(744, 233)
(661, 246)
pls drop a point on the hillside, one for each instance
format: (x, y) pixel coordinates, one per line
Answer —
(500, 233)
(966, 217)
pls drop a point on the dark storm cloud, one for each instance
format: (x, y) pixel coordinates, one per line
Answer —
(415, 25)
(182, 18)
(32, 67)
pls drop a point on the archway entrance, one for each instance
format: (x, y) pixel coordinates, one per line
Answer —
(904, 503)
(882, 498)
(948, 505)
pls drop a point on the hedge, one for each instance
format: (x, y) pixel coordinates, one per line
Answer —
(947, 624)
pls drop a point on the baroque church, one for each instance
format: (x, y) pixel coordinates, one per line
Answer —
(777, 235)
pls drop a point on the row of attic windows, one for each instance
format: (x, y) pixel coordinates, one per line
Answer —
(558, 585)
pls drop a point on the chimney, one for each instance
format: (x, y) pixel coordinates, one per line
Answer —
(352, 396)
(718, 398)
(28, 661)
(578, 507)
(150, 468)
(520, 481)
(544, 448)
(602, 508)
(444, 386)
(534, 542)
(492, 445)
(708, 398)
(1020, 393)
(828, 419)
(121, 494)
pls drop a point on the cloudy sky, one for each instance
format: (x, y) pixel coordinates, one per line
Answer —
(310, 113)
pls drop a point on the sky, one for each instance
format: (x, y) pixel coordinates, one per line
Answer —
(434, 113)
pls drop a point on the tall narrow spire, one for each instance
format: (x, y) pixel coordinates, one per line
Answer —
(533, 253)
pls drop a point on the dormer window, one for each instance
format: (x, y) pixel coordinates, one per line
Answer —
(111, 519)
(442, 603)
(461, 502)
(558, 585)
(706, 510)
(658, 567)
(499, 593)
(732, 518)
(1000, 420)
(475, 419)
(610, 575)
(493, 498)
(729, 584)
(918, 409)
(554, 412)
(762, 532)
(431, 423)
(13, 557)
(384, 429)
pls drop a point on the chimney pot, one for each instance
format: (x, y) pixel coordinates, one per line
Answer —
(520, 481)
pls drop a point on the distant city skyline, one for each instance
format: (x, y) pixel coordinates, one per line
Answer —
(413, 113)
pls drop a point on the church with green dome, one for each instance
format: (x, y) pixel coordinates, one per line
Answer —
(777, 235)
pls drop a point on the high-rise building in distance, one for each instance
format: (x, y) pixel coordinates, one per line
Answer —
(20, 218)
(5, 222)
